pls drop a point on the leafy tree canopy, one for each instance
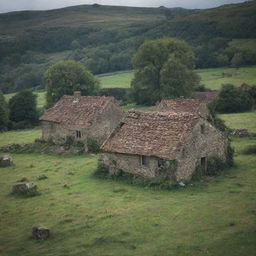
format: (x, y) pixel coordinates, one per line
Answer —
(4, 113)
(233, 99)
(23, 111)
(164, 70)
(65, 77)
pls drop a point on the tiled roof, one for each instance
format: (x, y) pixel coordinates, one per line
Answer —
(73, 111)
(206, 97)
(180, 105)
(160, 134)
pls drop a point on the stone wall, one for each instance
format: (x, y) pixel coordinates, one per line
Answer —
(204, 141)
(105, 123)
(131, 164)
(101, 128)
(210, 143)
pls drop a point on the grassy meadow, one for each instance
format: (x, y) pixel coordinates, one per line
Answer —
(211, 78)
(240, 120)
(19, 137)
(89, 216)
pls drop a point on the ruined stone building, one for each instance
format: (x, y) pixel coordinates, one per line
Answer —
(154, 143)
(207, 96)
(81, 117)
(193, 106)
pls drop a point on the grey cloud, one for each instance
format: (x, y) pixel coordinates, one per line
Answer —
(15, 5)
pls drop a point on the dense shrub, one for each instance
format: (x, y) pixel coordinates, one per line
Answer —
(93, 145)
(4, 113)
(252, 92)
(214, 166)
(229, 155)
(121, 94)
(23, 112)
(160, 182)
(233, 99)
(217, 122)
(250, 150)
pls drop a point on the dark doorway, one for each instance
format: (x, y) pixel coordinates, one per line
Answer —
(203, 164)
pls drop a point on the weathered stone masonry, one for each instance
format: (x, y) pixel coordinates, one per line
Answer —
(163, 143)
(80, 118)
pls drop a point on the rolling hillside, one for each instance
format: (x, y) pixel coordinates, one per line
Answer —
(104, 38)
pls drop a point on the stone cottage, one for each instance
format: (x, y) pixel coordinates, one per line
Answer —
(193, 106)
(155, 143)
(207, 96)
(81, 117)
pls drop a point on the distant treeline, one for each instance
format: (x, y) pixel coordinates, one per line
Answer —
(223, 36)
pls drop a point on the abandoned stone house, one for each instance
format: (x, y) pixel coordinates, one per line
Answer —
(81, 117)
(206, 97)
(193, 106)
(172, 144)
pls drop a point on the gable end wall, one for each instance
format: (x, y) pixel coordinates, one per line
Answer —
(212, 143)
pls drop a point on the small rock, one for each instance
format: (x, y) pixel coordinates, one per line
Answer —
(40, 233)
(5, 161)
(240, 133)
(23, 179)
(182, 184)
(42, 177)
(23, 188)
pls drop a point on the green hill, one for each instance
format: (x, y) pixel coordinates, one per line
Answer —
(104, 38)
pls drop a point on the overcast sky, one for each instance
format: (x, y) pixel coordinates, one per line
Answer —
(15, 5)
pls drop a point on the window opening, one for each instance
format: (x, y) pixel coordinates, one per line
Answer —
(78, 134)
(144, 161)
(202, 128)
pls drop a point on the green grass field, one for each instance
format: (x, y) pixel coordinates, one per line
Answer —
(89, 216)
(40, 98)
(18, 137)
(116, 80)
(240, 120)
(211, 78)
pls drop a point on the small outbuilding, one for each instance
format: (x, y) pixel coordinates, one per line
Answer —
(81, 117)
(172, 144)
(193, 106)
(206, 97)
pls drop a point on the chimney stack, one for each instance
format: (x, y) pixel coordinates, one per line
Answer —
(77, 95)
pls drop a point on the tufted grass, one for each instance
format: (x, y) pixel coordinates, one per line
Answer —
(102, 217)
(89, 216)
(211, 78)
(116, 80)
(240, 120)
(20, 136)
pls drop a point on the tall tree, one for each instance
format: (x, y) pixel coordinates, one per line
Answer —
(163, 70)
(23, 112)
(4, 113)
(65, 77)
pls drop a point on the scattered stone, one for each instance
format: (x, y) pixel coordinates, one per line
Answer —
(245, 86)
(42, 177)
(40, 233)
(5, 161)
(240, 133)
(231, 224)
(226, 74)
(24, 189)
(182, 184)
(66, 186)
(23, 179)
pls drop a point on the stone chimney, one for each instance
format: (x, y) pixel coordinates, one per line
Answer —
(77, 95)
